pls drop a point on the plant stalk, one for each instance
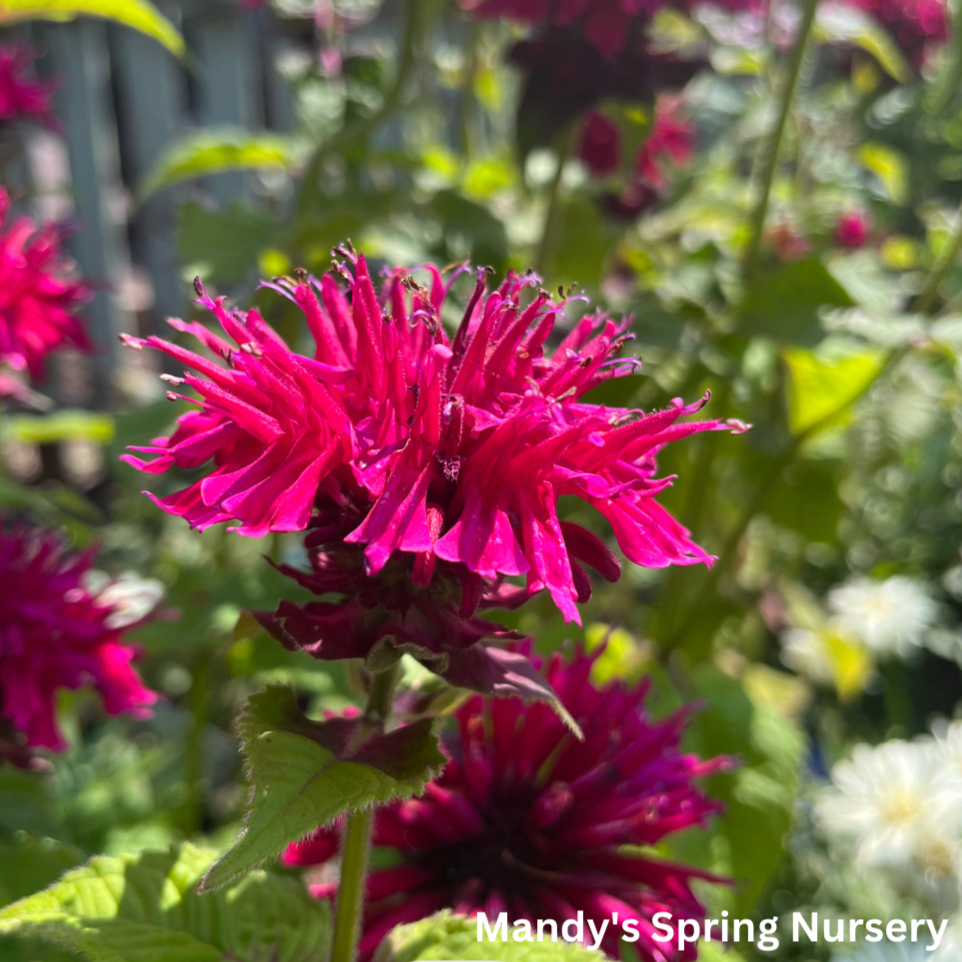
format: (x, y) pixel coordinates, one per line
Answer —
(414, 21)
(349, 908)
(773, 146)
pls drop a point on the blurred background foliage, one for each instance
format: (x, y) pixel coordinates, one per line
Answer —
(828, 316)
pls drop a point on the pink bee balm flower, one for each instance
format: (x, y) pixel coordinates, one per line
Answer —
(453, 449)
(525, 819)
(853, 229)
(56, 632)
(37, 302)
(19, 95)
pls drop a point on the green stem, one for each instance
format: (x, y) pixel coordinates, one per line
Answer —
(930, 291)
(773, 146)
(554, 215)
(414, 22)
(350, 889)
(349, 907)
(898, 699)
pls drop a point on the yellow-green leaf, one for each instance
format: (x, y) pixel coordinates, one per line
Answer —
(136, 14)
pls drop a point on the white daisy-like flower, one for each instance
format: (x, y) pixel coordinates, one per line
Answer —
(890, 616)
(895, 805)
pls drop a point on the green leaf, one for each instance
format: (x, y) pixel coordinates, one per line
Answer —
(214, 151)
(60, 426)
(141, 908)
(784, 304)
(305, 773)
(759, 794)
(891, 168)
(848, 25)
(449, 936)
(137, 14)
(470, 228)
(28, 864)
(223, 246)
(821, 392)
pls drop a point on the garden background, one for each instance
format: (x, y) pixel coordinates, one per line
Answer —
(770, 190)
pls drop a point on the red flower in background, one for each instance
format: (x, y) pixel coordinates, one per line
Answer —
(20, 96)
(605, 24)
(914, 23)
(37, 302)
(451, 449)
(528, 820)
(853, 229)
(57, 632)
(670, 138)
(600, 144)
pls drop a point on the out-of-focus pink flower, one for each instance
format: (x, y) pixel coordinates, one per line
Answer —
(853, 229)
(787, 243)
(37, 302)
(451, 449)
(528, 820)
(605, 24)
(20, 96)
(600, 144)
(57, 632)
(670, 138)
(915, 24)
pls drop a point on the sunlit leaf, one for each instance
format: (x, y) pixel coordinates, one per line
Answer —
(449, 936)
(137, 14)
(214, 151)
(144, 908)
(821, 392)
(891, 168)
(844, 24)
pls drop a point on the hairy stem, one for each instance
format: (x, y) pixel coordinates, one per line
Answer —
(349, 908)
(415, 16)
(772, 147)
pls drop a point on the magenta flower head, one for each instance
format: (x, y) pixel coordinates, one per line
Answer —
(37, 300)
(445, 449)
(58, 631)
(671, 139)
(853, 229)
(21, 97)
(525, 819)
(599, 145)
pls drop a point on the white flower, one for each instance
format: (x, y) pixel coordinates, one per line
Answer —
(898, 805)
(131, 597)
(888, 616)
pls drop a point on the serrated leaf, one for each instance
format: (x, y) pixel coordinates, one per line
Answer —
(305, 773)
(136, 14)
(821, 392)
(449, 936)
(784, 304)
(214, 151)
(141, 908)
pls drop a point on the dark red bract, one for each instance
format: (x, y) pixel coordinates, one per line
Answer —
(20, 96)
